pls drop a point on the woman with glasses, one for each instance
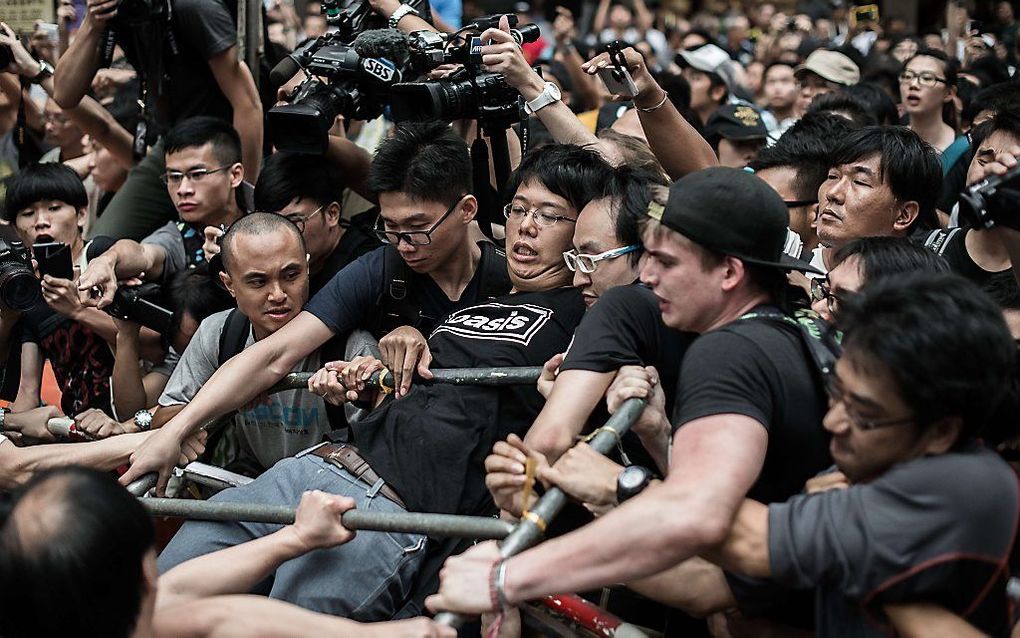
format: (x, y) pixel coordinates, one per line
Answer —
(927, 89)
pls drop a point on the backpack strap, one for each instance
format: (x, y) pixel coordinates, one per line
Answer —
(821, 342)
(938, 240)
(495, 280)
(395, 307)
(233, 336)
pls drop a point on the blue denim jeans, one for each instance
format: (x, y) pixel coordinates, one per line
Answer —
(367, 579)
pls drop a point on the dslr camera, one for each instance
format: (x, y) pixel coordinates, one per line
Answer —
(19, 289)
(469, 93)
(993, 201)
(140, 304)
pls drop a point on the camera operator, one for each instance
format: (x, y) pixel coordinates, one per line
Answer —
(46, 203)
(203, 177)
(976, 253)
(189, 65)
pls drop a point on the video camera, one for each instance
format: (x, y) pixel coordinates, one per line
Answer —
(469, 93)
(139, 304)
(352, 80)
(993, 201)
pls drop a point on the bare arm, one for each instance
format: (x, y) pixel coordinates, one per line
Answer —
(92, 118)
(126, 386)
(715, 461)
(746, 549)
(355, 161)
(408, 24)
(695, 586)
(30, 382)
(72, 78)
(233, 385)
(643, 17)
(17, 465)
(237, 569)
(575, 394)
(238, 86)
(124, 260)
(600, 18)
(925, 620)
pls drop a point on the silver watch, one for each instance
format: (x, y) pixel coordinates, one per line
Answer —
(550, 93)
(401, 11)
(143, 419)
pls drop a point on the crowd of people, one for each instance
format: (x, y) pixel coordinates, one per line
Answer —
(789, 229)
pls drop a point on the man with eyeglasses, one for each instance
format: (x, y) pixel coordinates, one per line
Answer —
(422, 451)
(203, 177)
(930, 513)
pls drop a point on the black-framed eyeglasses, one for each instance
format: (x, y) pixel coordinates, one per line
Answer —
(300, 221)
(924, 79)
(797, 203)
(821, 290)
(543, 219)
(836, 395)
(414, 237)
(174, 178)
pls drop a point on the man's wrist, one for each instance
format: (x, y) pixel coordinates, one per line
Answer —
(532, 88)
(385, 8)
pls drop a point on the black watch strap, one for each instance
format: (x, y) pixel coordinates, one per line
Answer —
(632, 481)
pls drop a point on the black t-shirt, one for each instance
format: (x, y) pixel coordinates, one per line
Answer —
(955, 253)
(81, 359)
(350, 299)
(431, 444)
(356, 241)
(761, 368)
(181, 84)
(625, 328)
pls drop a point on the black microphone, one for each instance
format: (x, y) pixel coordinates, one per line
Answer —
(390, 44)
(287, 67)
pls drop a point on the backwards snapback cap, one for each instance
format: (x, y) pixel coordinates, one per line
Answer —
(732, 212)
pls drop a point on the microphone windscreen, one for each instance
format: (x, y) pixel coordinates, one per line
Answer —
(383, 43)
(283, 71)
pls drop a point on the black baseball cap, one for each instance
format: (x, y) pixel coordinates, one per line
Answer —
(737, 122)
(732, 212)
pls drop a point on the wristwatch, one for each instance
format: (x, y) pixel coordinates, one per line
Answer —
(45, 71)
(143, 419)
(401, 11)
(550, 93)
(3, 416)
(631, 481)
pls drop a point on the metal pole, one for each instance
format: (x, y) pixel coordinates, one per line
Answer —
(440, 525)
(453, 376)
(142, 486)
(531, 528)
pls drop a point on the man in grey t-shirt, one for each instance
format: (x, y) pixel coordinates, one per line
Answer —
(267, 273)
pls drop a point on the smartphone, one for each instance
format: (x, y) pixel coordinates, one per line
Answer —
(864, 13)
(54, 259)
(616, 77)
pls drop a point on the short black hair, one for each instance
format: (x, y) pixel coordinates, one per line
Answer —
(197, 292)
(944, 342)
(841, 102)
(1004, 121)
(889, 256)
(43, 182)
(287, 176)
(777, 62)
(86, 550)
(630, 189)
(201, 130)
(576, 174)
(907, 163)
(997, 98)
(255, 224)
(427, 161)
(807, 148)
(877, 101)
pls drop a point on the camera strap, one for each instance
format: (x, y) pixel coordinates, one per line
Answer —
(138, 147)
(938, 240)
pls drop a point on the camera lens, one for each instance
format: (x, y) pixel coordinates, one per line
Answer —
(19, 289)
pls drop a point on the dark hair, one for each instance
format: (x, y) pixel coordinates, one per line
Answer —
(950, 67)
(877, 101)
(841, 102)
(255, 224)
(79, 571)
(908, 164)
(996, 98)
(426, 161)
(677, 88)
(775, 63)
(197, 292)
(201, 130)
(629, 188)
(42, 182)
(288, 176)
(965, 91)
(634, 150)
(1004, 121)
(943, 341)
(889, 256)
(806, 147)
(576, 174)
